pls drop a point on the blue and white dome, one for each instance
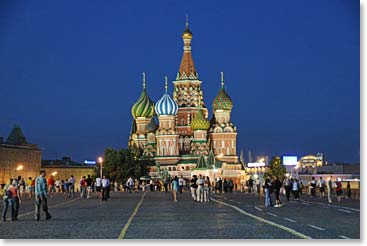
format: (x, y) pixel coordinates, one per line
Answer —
(165, 105)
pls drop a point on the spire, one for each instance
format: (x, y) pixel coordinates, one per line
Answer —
(144, 82)
(166, 84)
(222, 79)
(187, 68)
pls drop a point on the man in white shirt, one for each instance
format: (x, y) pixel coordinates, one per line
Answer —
(98, 186)
(181, 181)
(105, 188)
(200, 189)
(130, 184)
(71, 186)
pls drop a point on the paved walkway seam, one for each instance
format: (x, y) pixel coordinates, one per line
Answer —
(287, 229)
(124, 230)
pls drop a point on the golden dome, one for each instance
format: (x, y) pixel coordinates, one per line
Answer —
(187, 34)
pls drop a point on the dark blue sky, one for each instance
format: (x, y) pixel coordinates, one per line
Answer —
(71, 70)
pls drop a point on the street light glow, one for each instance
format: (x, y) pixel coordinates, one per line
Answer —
(54, 173)
(100, 159)
(20, 167)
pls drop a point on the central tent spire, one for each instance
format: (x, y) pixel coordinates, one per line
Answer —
(187, 69)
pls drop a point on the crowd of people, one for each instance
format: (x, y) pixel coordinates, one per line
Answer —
(272, 185)
(41, 188)
(12, 194)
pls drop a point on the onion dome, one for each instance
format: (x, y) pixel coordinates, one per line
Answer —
(222, 100)
(199, 122)
(144, 107)
(187, 34)
(152, 126)
(165, 105)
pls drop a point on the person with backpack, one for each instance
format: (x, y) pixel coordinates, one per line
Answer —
(322, 187)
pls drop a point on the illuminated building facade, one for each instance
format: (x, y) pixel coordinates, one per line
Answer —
(175, 131)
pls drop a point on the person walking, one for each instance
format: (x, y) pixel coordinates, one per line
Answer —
(313, 185)
(7, 201)
(207, 189)
(200, 189)
(175, 188)
(41, 196)
(329, 189)
(130, 184)
(83, 187)
(71, 186)
(193, 187)
(89, 182)
(295, 189)
(181, 181)
(50, 185)
(250, 185)
(338, 190)
(322, 187)
(16, 198)
(99, 187)
(230, 185)
(349, 191)
(277, 187)
(287, 187)
(220, 186)
(105, 185)
(30, 187)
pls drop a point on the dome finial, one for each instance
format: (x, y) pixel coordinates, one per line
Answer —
(222, 79)
(144, 82)
(166, 84)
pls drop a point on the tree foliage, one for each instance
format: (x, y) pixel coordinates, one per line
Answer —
(276, 168)
(121, 164)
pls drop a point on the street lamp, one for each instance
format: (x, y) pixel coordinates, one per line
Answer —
(100, 160)
(20, 167)
(54, 173)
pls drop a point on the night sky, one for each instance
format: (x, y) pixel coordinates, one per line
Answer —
(71, 70)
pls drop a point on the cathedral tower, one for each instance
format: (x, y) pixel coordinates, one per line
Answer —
(188, 94)
(223, 133)
(142, 112)
(166, 135)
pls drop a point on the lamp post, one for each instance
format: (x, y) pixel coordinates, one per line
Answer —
(100, 160)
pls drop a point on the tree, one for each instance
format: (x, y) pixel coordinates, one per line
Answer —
(121, 164)
(276, 168)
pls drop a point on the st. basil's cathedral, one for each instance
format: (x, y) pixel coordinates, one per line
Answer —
(183, 141)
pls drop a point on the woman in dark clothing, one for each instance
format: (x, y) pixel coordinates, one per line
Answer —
(277, 187)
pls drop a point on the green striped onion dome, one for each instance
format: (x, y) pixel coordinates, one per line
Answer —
(144, 107)
(222, 101)
(199, 122)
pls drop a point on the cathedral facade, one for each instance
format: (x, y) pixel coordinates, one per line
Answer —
(175, 131)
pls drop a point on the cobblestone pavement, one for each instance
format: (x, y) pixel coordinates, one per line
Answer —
(155, 216)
